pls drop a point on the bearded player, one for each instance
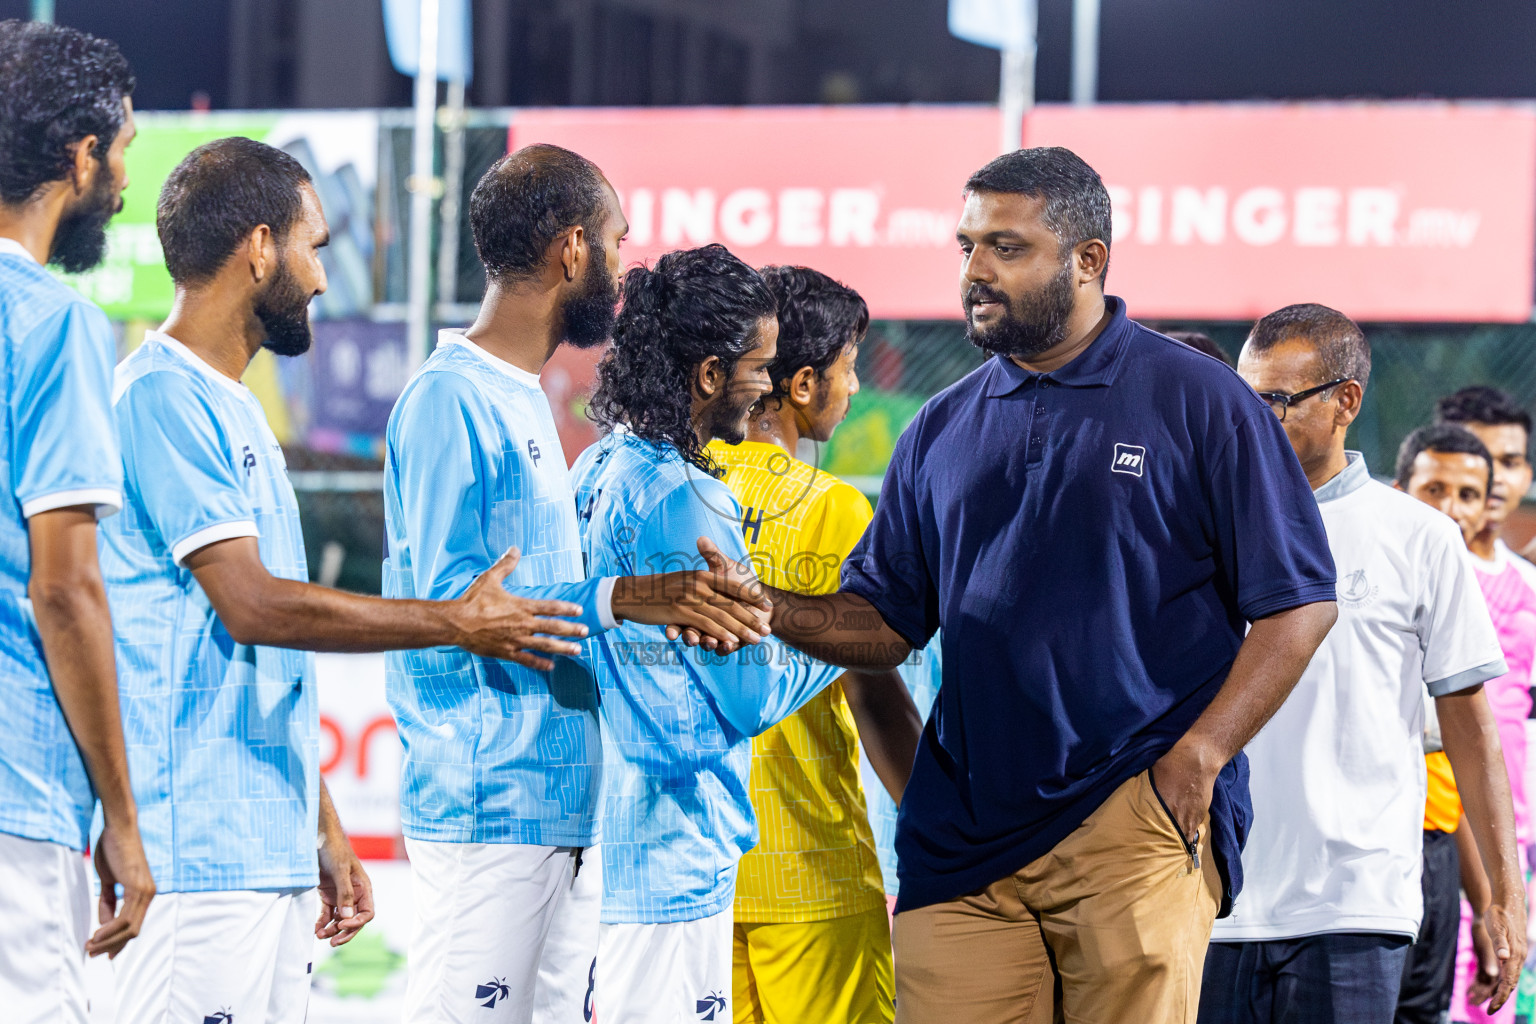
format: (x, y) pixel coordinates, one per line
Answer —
(810, 899)
(214, 614)
(690, 354)
(66, 118)
(503, 760)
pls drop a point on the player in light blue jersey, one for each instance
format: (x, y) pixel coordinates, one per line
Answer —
(691, 352)
(65, 121)
(214, 614)
(502, 764)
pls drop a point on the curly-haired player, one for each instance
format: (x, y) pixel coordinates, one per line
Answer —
(810, 899)
(691, 352)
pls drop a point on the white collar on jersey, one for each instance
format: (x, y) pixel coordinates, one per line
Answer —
(199, 364)
(1353, 477)
(15, 248)
(451, 336)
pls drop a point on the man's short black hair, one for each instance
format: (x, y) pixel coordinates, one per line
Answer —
(1076, 201)
(1200, 342)
(818, 319)
(1482, 404)
(1445, 438)
(526, 200)
(57, 86)
(1340, 344)
(221, 192)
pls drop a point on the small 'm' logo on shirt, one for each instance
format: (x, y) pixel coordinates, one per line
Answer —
(249, 462)
(1129, 458)
(533, 451)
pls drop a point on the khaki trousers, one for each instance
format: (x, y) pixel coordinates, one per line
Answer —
(1110, 927)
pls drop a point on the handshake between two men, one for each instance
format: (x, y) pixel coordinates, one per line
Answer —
(718, 608)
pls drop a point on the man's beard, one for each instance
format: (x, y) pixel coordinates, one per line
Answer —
(590, 316)
(80, 241)
(283, 310)
(1030, 325)
(727, 421)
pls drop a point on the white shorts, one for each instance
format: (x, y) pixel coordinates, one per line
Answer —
(247, 955)
(503, 933)
(666, 973)
(45, 918)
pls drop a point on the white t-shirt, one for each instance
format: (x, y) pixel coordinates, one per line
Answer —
(1338, 774)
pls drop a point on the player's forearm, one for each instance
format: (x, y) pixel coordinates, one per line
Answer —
(306, 616)
(330, 822)
(1471, 738)
(75, 626)
(840, 629)
(889, 725)
(1268, 665)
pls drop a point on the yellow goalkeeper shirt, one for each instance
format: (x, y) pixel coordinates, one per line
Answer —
(815, 856)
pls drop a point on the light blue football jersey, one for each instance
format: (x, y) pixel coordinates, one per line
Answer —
(223, 738)
(677, 722)
(494, 752)
(58, 449)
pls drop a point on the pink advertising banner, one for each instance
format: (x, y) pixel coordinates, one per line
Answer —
(1411, 211)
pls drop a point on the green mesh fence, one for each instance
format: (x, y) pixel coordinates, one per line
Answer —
(904, 363)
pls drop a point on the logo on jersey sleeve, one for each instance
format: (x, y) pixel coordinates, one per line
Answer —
(496, 988)
(1129, 459)
(533, 451)
(223, 1016)
(249, 462)
(709, 1006)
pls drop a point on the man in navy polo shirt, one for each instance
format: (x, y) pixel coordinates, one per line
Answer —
(1094, 517)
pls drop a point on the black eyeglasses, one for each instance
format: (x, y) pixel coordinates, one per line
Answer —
(1279, 401)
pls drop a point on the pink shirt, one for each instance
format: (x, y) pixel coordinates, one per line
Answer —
(1512, 604)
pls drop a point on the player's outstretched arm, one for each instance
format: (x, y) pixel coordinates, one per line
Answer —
(889, 725)
(346, 891)
(75, 625)
(1471, 738)
(840, 629)
(259, 608)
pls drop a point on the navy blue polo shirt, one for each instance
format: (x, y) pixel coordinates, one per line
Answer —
(1093, 542)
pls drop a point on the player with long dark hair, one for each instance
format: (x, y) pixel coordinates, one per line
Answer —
(691, 351)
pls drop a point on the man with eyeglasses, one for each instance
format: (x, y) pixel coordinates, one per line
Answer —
(1333, 861)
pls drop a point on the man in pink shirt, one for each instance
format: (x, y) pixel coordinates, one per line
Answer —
(1508, 583)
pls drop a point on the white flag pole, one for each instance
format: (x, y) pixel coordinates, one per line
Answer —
(422, 186)
(1085, 52)
(1016, 93)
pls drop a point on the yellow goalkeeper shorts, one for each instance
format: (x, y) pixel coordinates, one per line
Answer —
(831, 972)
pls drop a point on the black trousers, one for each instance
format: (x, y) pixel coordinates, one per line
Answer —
(1425, 996)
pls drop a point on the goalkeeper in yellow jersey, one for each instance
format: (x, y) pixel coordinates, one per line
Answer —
(812, 939)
